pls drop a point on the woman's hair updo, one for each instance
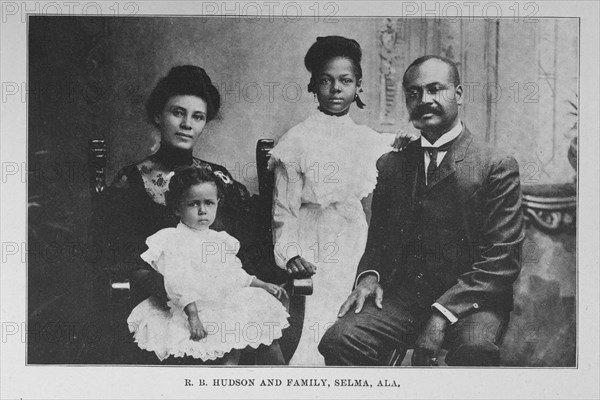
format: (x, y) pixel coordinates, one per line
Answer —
(327, 48)
(181, 81)
(184, 178)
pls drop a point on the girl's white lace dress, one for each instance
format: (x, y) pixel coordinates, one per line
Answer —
(324, 166)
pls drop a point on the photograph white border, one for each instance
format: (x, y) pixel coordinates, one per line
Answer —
(132, 382)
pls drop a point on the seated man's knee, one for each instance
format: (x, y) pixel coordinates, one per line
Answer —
(333, 340)
(346, 343)
(475, 341)
(483, 353)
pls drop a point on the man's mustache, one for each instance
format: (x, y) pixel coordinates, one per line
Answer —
(422, 110)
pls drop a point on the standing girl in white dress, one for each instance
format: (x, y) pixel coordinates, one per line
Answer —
(216, 308)
(324, 167)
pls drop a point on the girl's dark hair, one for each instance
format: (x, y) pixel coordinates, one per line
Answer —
(327, 48)
(183, 80)
(186, 177)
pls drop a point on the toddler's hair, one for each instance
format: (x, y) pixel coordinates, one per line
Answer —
(186, 177)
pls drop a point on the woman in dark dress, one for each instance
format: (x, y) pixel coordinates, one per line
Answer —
(133, 207)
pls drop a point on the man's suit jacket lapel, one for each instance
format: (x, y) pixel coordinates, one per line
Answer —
(406, 181)
(455, 154)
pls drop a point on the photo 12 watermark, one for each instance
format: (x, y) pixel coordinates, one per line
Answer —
(324, 12)
(21, 10)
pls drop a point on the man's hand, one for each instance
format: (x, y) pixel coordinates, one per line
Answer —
(367, 287)
(299, 266)
(429, 342)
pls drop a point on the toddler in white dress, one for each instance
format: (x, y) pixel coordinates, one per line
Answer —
(215, 307)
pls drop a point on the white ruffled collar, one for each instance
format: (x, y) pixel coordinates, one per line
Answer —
(323, 118)
(183, 227)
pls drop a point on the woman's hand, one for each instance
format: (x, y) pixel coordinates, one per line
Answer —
(197, 330)
(299, 266)
(402, 139)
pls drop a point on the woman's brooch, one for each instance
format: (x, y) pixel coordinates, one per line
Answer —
(226, 180)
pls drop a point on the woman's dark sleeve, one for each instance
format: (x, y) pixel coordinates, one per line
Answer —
(115, 231)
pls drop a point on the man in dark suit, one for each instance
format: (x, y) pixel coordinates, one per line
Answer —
(444, 240)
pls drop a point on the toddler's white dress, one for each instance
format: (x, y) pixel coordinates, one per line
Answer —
(202, 267)
(324, 166)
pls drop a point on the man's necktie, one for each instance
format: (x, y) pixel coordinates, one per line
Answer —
(433, 153)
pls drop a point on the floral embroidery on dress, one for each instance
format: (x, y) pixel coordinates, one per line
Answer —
(159, 181)
(156, 182)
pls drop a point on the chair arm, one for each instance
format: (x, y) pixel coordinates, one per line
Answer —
(119, 291)
(301, 287)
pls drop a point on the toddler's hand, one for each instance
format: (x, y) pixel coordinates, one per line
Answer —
(275, 290)
(197, 330)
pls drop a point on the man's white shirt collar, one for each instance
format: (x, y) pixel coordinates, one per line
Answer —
(445, 138)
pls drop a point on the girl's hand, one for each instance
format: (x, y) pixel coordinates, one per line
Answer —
(300, 267)
(197, 330)
(402, 139)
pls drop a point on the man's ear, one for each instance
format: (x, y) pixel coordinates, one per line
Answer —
(157, 120)
(359, 83)
(459, 94)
